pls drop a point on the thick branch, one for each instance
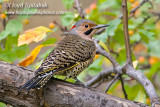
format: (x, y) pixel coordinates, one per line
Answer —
(56, 92)
(142, 79)
(10, 79)
(128, 70)
(126, 35)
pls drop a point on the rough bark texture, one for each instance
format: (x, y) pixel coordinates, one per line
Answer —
(56, 93)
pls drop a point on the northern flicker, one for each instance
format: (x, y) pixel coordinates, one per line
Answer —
(71, 56)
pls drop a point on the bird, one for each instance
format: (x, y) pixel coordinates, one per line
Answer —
(70, 57)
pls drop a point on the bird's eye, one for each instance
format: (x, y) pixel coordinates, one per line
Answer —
(86, 26)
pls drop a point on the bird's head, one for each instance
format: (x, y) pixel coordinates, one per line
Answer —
(85, 28)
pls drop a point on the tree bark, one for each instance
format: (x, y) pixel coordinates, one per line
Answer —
(56, 93)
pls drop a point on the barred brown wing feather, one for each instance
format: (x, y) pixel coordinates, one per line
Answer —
(71, 50)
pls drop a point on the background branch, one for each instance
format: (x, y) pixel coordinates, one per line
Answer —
(124, 91)
(137, 7)
(126, 35)
(131, 72)
(80, 10)
(127, 68)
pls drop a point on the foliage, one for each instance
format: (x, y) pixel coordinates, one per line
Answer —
(144, 39)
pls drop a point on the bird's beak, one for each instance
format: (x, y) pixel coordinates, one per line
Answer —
(99, 26)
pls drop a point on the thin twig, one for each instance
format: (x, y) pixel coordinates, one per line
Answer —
(146, 83)
(63, 29)
(143, 22)
(127, 68)
(106, 54)
(99, 77)
(3, 42)
(80, 10)
(137, 7)
(110, 84)
(126, 35)
(122, 84)
(156, 14)
(57, 36)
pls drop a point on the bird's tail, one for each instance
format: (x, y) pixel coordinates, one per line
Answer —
(37, 81)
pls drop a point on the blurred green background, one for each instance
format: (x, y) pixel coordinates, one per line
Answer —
(144, 31)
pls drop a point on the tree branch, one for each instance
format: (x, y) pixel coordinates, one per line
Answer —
(80, 10)
(97, 78)
(55, 93)
(136, 8)
(126, 35)
(146, 83)
(110, 84)
(124, 91)
(128, 70)
(104, 53)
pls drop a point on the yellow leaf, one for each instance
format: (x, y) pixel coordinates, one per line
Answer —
(104, 46)
(135, 63)
(29, 59)
(36, 35)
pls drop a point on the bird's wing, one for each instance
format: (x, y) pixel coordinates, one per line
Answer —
(68, 53)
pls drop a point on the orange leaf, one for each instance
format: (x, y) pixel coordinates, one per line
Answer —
(29, 59)
(36, 35)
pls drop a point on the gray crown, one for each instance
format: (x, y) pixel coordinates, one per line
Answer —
(80, 22)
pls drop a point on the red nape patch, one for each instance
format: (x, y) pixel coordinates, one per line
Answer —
(73, 27)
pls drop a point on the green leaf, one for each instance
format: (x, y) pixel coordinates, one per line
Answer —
(122, 56)
(146, 35)
(67, 18)
(119, 37)
(141, 96)
(44, 55)
(7, 56)
(149, 34)
(154, 48)
(157, 1)
(2, 104)
(95, 67)
(135, 37)
(27, 10)
(154, 68)
(21, 51)
(110, 31)
(104, 4)
(13, 27)
(14, 53)
(109, 13)
(63, 77)
(102, 37)
(113, 26)
(133, 89)
(1, 1)
(3, 34)
(68, 3)
(49, 41)
(11, 42)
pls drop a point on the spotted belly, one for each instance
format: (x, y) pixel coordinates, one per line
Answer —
(75, 71)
